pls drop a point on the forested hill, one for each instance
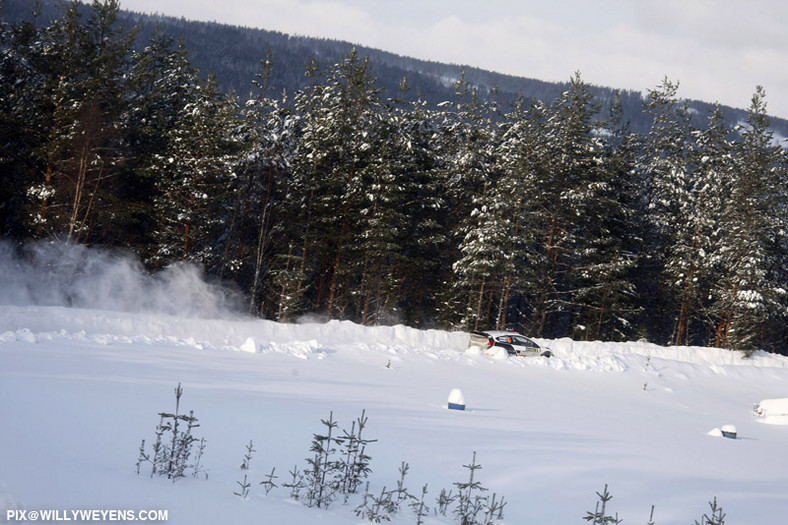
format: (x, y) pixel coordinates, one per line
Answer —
(451, 209)
(233, 54)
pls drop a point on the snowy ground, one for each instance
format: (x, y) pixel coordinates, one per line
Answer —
(79, 389)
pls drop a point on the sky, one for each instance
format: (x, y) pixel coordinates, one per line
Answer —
(717, 50)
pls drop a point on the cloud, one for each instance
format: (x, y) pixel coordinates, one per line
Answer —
(719, 50)
(713, 56)
(720, 24)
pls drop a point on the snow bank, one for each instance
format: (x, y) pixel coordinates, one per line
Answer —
(314, 339)
(772, 411)
(248, 334)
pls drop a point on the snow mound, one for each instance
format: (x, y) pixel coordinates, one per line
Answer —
(23, 335)
(772, 411)
(250, 345)
(299, 349)
(474, 350)
(774, 420)
(728, 431)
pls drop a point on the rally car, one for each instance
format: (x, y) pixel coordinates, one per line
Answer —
(513, 342)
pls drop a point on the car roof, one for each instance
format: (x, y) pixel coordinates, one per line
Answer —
(497, 333)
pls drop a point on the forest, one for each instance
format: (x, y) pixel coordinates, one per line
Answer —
(552, 217)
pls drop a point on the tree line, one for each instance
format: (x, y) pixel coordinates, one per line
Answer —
(543, 216)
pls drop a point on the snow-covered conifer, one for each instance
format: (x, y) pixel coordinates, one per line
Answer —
(196, 180)
(750, 296)
(661, 174)
(691, 257)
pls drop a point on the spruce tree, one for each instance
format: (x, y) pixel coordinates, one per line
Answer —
(423, 254)
(295, 271)
(750, 298)
(161, 81)
(515, 190)
(23, 123)
(376, 251)
(604, 298)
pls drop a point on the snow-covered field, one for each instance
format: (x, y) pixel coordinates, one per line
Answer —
(80, 388)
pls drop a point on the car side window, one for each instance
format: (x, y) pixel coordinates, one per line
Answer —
(526, 342)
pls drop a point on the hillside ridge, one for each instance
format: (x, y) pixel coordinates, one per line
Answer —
(233, 53)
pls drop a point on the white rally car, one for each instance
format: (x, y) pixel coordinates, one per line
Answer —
(513, 342)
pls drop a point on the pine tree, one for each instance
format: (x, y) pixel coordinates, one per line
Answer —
(750, 296)
(161, 81)
(320, 477)
(333, 161)
(662, 176)
(353, 466)
(690, 261)
(260, 207)
(717, 515)
(196, 180)
(172, 452)
(568, 191)
(600, 516)
(85, 64)
(470, 144)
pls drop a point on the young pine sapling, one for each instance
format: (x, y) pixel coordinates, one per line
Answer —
(268, 484)
(243, 491)
(470, 501)
(717, 516)
(599, 516)
(172, 450)
(420, 507)
(248, 456)
(320, 485)
(400, 495)
(296, 485)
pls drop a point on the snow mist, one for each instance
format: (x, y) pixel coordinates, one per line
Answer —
(73, 275)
